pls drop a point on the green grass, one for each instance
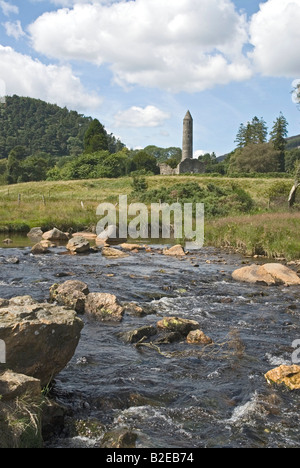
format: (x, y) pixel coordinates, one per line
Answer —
(275, 235)
(48, 204)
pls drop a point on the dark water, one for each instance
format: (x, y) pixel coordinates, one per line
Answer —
(183, 397)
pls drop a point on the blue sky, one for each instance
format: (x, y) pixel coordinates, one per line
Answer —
(139, 65)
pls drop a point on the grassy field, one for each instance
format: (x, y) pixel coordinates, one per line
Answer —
(72, 205)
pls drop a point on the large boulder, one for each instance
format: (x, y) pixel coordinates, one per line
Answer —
(288, 375)
(78, 244)
(269, 274)
(40, 339)
(104, 307)
(71, 293)
(55, 235)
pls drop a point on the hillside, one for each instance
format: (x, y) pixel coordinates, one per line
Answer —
(293, 142)
(42, 127)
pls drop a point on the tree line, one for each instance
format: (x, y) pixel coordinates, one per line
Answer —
(40, 141)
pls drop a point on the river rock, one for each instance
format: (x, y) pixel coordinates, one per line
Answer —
(176, 250)
(20, 411)
(113, 253)
(133, 336)
(71, 293)
(40, 338)
(7, 241)
(86, 235)
(176, 324)
(119, 438)
(104, 307)
(55, 235)
(269, 274)
(110, 235)
(13, 385)
(35, 232)
(131, 247)
(39, 249)
(78, 244)
(288, 375)
(198, 337)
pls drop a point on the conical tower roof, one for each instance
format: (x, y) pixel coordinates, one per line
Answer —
(188, 116)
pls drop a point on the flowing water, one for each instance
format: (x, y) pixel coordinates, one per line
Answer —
(177, 395)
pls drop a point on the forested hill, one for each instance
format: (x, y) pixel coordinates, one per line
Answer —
(42, 127)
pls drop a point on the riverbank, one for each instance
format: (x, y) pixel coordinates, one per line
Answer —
(269, 229)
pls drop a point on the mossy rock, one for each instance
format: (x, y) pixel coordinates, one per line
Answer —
(177, 324)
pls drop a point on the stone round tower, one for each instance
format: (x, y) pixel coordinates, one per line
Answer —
(187, 140)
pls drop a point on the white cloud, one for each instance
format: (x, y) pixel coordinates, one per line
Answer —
(14, 29)
(138, 117)
(7, 8)
(176, 45)
(275, 35)
(56, 84)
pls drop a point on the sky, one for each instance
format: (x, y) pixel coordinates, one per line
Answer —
(139, 65)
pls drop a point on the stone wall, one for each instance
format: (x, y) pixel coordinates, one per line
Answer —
(188, 166)
(191, 166)
(165, 169)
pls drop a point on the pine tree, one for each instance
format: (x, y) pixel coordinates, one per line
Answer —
(95, 138)
(259, 130)
(279, 133)
(241, 136)
(278, 138)
(254, 132)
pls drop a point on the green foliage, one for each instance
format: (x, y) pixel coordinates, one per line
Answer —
(95, 138)
(260, 157)
(39, 126)
(164, 154)
(279, 133)
(254, 132)
(291, 158)
(143, 160)
(218, 201)
(139, 184)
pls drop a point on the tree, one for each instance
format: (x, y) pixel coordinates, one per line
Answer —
(259, 130)
(14, 167)
(260, 157)
(143, 160)
(254, 132)
(95, 138)
(278, 137)
(241, 136)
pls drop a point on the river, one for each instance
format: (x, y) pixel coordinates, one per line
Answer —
(184, 396)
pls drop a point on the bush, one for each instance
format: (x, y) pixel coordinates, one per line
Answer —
(218, 201)
(260, 157)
